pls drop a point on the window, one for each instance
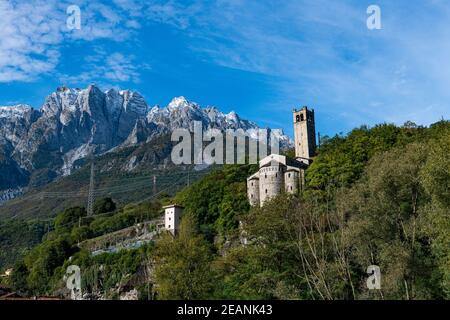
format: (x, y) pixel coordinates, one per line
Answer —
(291, 188)
(289, 175)
(251, 196)
(252, 184)
(266, 191)
(302, 117)
(169, 226)
(276, 175)
(297, 118)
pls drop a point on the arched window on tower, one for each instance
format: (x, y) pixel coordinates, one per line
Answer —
(297, 118)
(302, 117)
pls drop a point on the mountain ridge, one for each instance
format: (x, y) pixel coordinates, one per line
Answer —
(74, 123)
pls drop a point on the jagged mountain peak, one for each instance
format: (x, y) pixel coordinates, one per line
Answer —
(73, 100)
(16, 111)
(180, 102)
(233, 116)
(186, 111)
(74, 122)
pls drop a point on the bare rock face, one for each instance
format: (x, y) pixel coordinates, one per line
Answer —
(130, 295)
(14, 125)
(181, 113)
(73, 123)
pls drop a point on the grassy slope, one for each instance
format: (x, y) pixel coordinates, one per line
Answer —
(112, 179)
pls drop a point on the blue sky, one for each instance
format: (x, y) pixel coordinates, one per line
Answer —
(258, 58)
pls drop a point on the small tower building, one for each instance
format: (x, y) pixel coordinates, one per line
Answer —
(172, 218)
(304, 134)
(253, 189)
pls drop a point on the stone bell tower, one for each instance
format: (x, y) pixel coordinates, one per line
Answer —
(304, 134)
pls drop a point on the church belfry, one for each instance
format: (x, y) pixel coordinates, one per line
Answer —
(304, 134)
(278, 174)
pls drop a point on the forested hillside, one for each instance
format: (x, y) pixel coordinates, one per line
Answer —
(377, 196)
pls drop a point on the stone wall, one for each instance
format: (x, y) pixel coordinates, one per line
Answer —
(253, 191)
(291, 179)
(271, 182)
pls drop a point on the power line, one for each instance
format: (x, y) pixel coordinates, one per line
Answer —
(114, 189)
(136, 203)
(161, 191)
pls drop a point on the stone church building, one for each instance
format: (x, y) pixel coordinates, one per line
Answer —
(278, 173)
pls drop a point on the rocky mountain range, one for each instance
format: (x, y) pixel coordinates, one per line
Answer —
(74, 123)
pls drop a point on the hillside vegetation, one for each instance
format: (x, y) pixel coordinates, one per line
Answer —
(377, 196)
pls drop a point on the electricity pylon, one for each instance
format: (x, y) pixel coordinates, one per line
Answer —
(91, 198)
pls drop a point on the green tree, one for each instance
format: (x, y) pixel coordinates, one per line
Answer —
(387, 211)
(341, 160)
(436, 221)
(218, 198)
(104, 205)
(295, 252)
(183, 265)
(82, 233)
(42, 262)
(65, 220)
(19, 277)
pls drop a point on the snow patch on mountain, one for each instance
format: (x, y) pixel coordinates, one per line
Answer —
(14, 112)
(74, 123)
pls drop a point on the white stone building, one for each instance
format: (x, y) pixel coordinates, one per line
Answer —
(278, 173)
(172, 218)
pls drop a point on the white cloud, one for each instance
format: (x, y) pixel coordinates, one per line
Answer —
(106, 69)
(173, 12)
(28, 33)
(322, 54)
(317, 52)
(32, 33)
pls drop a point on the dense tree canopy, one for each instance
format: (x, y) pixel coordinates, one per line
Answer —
(183, 265)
